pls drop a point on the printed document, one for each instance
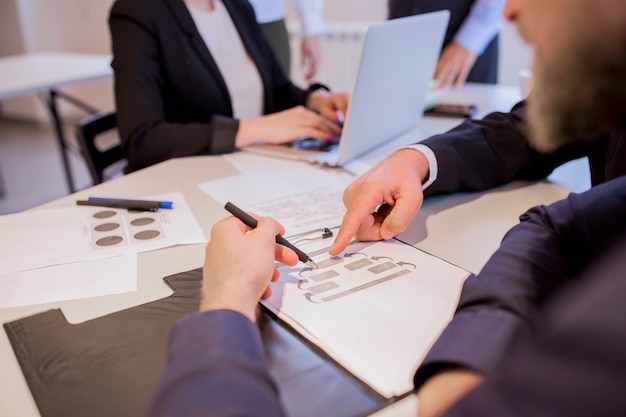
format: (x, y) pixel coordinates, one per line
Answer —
(375, 309)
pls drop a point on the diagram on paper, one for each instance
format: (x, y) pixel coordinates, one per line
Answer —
(375, 308)
(341, 276)
(362, 266)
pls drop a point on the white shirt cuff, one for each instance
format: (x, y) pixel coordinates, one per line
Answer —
(432, 163)
(313, 26)
(311, 13)
(481, 25)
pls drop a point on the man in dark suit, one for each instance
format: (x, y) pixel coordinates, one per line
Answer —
(470, 46)
(554, 248)
(539, 331)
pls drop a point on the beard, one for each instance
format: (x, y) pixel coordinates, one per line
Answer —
(581, 94)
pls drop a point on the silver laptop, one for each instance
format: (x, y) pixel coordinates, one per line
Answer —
(395, 73)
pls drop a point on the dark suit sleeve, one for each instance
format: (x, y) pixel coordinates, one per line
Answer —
(545, 253)
(481, 154)
(574, 364)
(216, 367)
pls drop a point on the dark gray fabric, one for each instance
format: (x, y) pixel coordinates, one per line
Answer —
(544, 319)
(481, 154)
(109, 366)
(278, 38)
(112, 365)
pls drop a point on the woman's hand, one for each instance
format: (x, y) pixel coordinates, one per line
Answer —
(286, 126)
(455, 64)
(333, 106)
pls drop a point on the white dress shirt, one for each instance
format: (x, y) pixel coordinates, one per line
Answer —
(481, 25)
(310, 12)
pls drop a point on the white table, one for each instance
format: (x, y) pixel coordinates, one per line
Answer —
(434, 229)
(46, 72)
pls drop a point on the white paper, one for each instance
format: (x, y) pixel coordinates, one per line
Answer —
(302, 199)
(56, 236)
(376, 309)
(69, 282)
(253, 163)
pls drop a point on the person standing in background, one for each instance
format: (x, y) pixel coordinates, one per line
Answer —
(270, 14)
(470, 46)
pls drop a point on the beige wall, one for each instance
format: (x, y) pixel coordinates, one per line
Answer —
(56, 25)
(66, 25)
(355, 10)
(11, 40)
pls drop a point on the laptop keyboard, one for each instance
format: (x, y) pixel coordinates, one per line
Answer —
(312, 144)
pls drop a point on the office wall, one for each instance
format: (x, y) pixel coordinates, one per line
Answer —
(56, 25)
(69, 25)
(354, 10)
(11, 40)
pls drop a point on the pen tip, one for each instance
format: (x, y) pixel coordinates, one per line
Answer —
(312, 264)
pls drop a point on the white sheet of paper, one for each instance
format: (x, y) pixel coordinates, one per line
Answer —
(69, 282)
(56, 236)
(302, 198)
(376, 309)
(252, 163)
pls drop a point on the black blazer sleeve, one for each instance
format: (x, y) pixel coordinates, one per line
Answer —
(481, 154)
(171, 99)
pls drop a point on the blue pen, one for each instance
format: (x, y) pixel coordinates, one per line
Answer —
(162, 204)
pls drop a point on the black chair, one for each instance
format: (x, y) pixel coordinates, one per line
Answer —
(99, 158)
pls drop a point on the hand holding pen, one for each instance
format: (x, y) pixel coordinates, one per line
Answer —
(240, 264)
(250, 221)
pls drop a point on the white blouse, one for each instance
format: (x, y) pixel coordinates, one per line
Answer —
(237, 68)
(310, 12)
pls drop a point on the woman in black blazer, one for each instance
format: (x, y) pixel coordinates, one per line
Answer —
(172, 100)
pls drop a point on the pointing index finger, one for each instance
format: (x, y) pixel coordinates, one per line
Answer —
(349, 226)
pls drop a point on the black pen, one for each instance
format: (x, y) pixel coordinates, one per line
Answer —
(162, 204)
(250, 221)
(139, 205)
